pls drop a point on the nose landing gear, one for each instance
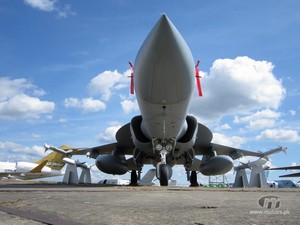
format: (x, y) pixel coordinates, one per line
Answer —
(163, 173)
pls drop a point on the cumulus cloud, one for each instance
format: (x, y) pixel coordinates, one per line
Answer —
(86, 104)
(51, 6)
(10, 88)
(292, 112)
(238, 86)
(129, 106)
(16, 102)
(107, 82)
(62, 120)
(44, 5)
(222, 127)
(65, 11)
(232, 141)
(33, 135)
(109, 134)
(11, 151)
(104, 85)
(259, 120)
(279, 135)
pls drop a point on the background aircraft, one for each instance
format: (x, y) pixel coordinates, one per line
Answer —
(283, 184)
(49, 166)
(145, 181)
(288, 168)
(163, 78)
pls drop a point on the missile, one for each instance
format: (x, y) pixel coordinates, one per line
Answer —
(273, 151)
(77, 163)
(69, 161)
(257, 163)
(60, 150)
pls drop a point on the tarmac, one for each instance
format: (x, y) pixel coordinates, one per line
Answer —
(58, 204)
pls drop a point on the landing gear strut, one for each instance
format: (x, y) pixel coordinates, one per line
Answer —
(133, 178)
(163, 147)
(193, 179)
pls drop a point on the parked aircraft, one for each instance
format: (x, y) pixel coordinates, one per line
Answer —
(49, 166)
(145, 181)
(114, 182)
(163, 78)
(283, 184)
(288, 168)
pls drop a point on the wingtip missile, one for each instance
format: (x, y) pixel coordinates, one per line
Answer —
(266, 154)
(58, 150)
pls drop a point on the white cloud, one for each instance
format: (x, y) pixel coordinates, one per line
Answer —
(11, 151)
(259, 120)
(292, 112)
(129, 106)
(86, 104)
(222, 127)
(109, 134)
(237, 86)
(105, 83)
(24, 106)
(10, 88)
(293, 164)
(279, 135)
(62, 120)
(65, 11)
(44, 5)
(51, 6)
(233, 141)
(16, 102)
(33, 135)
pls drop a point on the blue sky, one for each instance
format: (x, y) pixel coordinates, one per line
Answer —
(64, 67)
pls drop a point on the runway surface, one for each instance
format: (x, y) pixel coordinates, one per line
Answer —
(76, 204)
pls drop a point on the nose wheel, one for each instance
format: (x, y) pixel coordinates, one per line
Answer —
(164, 173)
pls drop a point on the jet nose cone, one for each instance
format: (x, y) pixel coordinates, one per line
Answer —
(164, 20)
(164, 66)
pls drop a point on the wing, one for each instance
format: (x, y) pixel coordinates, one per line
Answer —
(234, 153)
(291, 175)
(108, 149)
(10, 175)
(286, 168)
(124, 145)
(203, 146)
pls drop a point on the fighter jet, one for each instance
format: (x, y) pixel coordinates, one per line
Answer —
(163, 79)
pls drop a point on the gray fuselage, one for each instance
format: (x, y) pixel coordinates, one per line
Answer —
(164, 82)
